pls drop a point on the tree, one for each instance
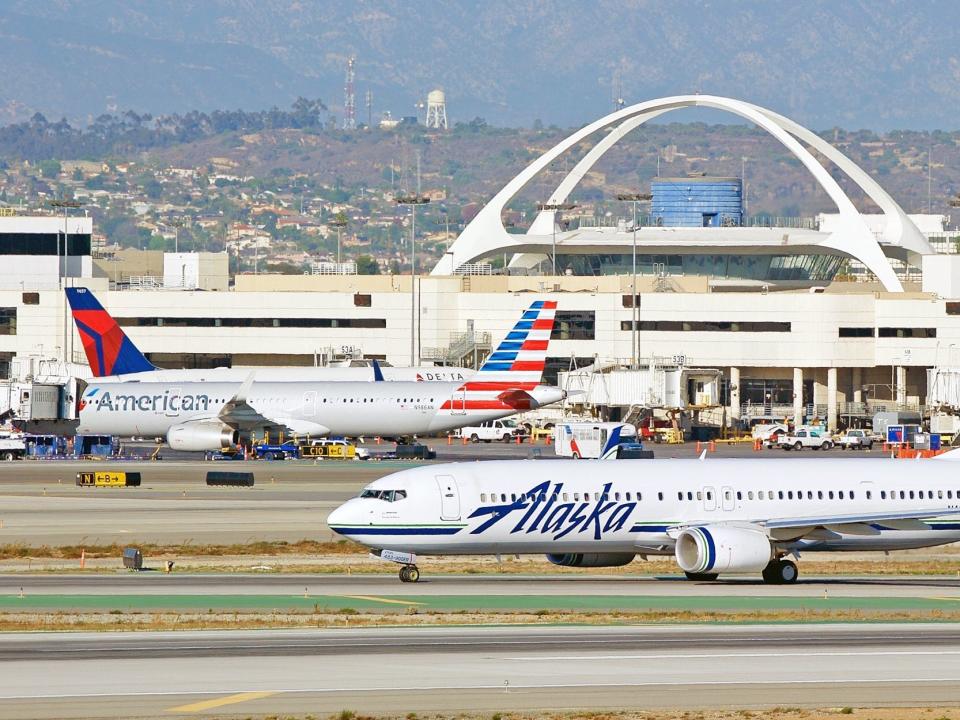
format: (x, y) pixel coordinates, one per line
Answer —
(50, 168)
(367, 265)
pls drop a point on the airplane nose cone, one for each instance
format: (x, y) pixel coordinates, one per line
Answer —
(339, 518)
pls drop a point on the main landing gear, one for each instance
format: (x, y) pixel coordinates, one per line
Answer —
(780, 571)
(409, 573)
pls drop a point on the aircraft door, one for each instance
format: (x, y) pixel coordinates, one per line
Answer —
(727, 498)
(709, 498)
(449, 497)
(458, 403)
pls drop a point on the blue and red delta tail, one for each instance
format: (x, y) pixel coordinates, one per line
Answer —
(109, 350)
(515, 367)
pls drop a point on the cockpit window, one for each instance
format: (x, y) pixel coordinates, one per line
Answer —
(388, 495)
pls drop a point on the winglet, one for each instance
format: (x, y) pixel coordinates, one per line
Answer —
(109, 351)
(241, 396)
(377, 372)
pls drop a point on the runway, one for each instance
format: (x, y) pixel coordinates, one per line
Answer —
(481, 669)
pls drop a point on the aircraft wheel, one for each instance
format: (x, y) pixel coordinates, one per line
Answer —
(780, 572)
(404, 574)
(413, 573)
(703, 577)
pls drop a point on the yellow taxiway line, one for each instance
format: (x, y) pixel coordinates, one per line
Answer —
(220, 702)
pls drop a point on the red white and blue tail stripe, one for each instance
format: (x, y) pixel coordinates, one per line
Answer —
(515, 367)
(109, 351)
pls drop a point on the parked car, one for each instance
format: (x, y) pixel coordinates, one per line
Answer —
(856, 440)
(806, 438)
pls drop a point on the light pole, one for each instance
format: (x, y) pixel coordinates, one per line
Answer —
(62, 267)
(177, 224)
(413, 201)
(553, 207)
(339, 222)
(635, 334)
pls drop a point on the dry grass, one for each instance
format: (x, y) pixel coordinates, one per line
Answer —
(346, 557)
(328, 617)
(777, 713)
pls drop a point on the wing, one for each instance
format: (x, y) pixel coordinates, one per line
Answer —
(238, 413)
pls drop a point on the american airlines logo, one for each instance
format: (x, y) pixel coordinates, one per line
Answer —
(169, 401)
(548, 512)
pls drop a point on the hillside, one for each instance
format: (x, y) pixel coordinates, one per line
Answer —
(880, 64)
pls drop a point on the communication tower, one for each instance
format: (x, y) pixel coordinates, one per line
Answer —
(349, 99)
(369, 100)
(437, 110)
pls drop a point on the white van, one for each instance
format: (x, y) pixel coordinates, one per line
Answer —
(591, 440)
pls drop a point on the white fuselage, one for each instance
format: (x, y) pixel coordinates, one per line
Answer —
(297, 374)
(314, 408)
(634, 506)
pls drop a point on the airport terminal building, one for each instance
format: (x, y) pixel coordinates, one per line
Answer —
(829, 318)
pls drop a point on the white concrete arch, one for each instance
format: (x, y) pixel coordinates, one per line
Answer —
(486, 235)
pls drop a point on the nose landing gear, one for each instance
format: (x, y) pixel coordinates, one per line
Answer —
(409, 573)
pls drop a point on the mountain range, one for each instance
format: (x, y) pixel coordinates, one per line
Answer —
(877, 64)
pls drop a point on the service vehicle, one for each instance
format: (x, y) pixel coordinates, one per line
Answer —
(505, 430)
(856, 440)
(592, 440)
(12, 446)
(813, 438)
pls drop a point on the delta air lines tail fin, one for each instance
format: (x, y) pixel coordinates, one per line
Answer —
(109, 350)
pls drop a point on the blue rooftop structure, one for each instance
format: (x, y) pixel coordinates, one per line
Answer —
(697, 202)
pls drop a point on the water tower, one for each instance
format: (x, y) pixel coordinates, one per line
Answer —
(437, 110)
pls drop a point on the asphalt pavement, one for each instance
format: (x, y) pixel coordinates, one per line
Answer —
(426, 670)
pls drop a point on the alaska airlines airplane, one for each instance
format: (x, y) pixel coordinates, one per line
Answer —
(114, 358)
(210, 415)
(713, 516)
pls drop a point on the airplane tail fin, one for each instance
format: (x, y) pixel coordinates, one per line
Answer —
(109, 351)
(518, 361)
(512, 372)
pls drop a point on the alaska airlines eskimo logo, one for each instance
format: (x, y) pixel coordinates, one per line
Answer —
(169, 401)
(543, 511)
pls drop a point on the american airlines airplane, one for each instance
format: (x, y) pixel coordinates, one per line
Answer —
(713, 516)
(114, 358)
(210, 415)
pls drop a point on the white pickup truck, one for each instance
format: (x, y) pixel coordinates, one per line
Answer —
(856, 440)
(505, 430)
(12, 447)
(806, 438)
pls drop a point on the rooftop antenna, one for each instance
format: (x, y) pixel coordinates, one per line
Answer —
(618, 101)
(349, 99)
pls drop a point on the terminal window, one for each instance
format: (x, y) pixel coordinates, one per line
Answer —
(856, 332)
(708, 326)
(893, 332)
(8, 321)
(242, 322)
(574, 325)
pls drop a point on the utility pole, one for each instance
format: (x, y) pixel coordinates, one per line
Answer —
(413, 201)
(634, 322)
(553, 207)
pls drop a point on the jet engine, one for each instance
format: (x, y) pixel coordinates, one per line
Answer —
(720, 548)
(209, 435)
(591, 559)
